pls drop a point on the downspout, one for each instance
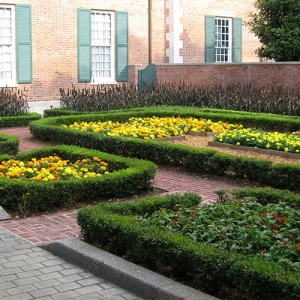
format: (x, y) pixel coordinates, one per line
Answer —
(150, 31)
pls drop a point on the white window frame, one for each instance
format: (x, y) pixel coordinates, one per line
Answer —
(223, 46)
(103, 79)
(13, 81)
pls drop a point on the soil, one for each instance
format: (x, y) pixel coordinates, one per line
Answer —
(202, 142)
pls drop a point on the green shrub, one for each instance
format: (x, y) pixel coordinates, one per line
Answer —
(19, 121)
(129, 176)
(193, 159)
(284, 176)
(269, 195)
(9, 144)
(212, 270)
(263, 121)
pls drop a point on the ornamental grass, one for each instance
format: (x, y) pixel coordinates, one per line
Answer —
(13, 102)
(259, 139)
(52, 168)
(154, 127)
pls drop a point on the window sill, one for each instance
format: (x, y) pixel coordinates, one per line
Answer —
(8, 84)
(103, 82)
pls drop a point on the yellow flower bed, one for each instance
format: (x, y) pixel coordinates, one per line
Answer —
(52, 168)
(154, 127)
(259, 139)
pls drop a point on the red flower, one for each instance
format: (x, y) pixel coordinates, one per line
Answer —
(285, 242)
(193, 213)
(281, 218)
(274, 215)
(275, 226)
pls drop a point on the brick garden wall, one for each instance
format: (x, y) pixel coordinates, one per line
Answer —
(259, 74)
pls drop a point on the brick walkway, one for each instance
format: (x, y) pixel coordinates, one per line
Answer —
(58, 226)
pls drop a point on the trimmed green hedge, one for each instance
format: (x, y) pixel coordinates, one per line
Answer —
(284, 176)
(128, 176)
(58, 112)
(19, 121)
(269, 195)
(9, 144)
(263, 121)
(220, 273)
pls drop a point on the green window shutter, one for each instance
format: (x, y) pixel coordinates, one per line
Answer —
(210, 56)
(122, 46)
(24, 43)
(237, 40)
(84, 45)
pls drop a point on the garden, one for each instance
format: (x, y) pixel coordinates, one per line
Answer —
(245, 246)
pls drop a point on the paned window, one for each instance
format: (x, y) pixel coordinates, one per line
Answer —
(223, 39)
(7, 46)
(15, 45)
(102, 46)
(102, 27)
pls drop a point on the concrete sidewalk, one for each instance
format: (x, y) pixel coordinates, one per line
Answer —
(39, 106)
(30, 272)
(72, 269)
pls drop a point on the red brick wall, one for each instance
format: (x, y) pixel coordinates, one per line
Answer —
(259, 74)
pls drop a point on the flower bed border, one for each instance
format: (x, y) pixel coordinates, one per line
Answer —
(115, 226)
(203, 133)
(259, 150)
(9, 144)
(130, 176)
(182, 137)
(198, 160)
(170, 138)
(18, 121)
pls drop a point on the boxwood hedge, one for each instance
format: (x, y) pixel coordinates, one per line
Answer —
(19, 121)
(227, 275)
(9, 144)
(284, 176)
(128, 176)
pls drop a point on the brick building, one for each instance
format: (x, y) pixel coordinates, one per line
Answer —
(52, 44)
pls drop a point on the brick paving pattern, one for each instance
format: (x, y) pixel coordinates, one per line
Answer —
(47, 228)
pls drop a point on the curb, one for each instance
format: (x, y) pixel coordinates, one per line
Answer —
(143, 282)
(4, 215)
